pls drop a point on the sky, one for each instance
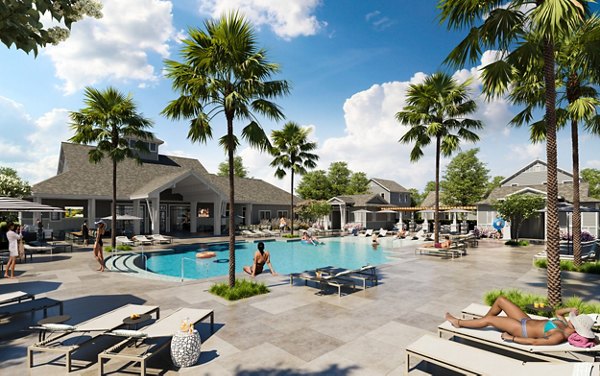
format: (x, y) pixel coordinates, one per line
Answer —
(349, 63)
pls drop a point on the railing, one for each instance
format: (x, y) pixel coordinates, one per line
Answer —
(182, 265)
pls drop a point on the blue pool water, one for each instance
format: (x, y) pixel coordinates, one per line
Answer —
(286, 257)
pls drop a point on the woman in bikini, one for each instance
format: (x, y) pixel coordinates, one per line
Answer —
(519, 328)
(98, 251)
(261, 257)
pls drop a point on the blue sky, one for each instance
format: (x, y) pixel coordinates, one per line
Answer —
(349, 63)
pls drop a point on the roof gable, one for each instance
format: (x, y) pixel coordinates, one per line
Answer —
(389, 185)
(529, 167)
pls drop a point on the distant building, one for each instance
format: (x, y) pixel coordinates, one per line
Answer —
(170, 194)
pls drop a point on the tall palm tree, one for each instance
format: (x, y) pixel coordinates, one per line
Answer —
(292, 151)
(110, 120)
(223, 71)
(503, 26)
(436, 111)
(576, 74)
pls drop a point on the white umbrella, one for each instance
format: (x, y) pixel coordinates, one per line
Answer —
(425, 223)
(123, 217)
(456, 211)
(11, 204)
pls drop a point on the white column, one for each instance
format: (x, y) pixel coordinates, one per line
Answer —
(342, 216)
(37, 215)
(136, 212)
(217, 215)
(154, 213)
(193, 217)
(91, 209)
(248, 219)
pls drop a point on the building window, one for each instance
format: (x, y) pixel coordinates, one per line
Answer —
(264, 215)
(152, 147)
(55, 216)
(282, 213)
(514, 185)
(382, 195)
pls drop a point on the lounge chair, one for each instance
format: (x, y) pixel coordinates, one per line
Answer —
(368, 232)
(161, 239)
(124, 240)
(492, 338)
(30, 306)
(382, 232)
(155, 337)
(249, 234)
(142, 239)
(95, 327)
(270, 232)
(365, 274)
(470, 360)
(324, 280)
(15, 296)
(455, 250)
(259, 233)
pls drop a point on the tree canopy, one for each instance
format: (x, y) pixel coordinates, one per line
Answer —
(339, 180)
(465, 180)
(592, 176)
(11, 185)
(21, 24)
(519, 207)
(239, 170)
(312, 210)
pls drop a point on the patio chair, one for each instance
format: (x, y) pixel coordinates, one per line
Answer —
(365, 274)
(249, 234)
(161, 239)
(154, 338)
(30, 306)
(259, 233)
(382, 232)
(142, 239)
(492, 338)
(95, 327)
(15, 296)
(270, 232)
(470, 360)
(124, 240)
(323, 279)
(368, 232)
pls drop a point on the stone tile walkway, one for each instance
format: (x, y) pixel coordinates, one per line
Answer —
(293, 330)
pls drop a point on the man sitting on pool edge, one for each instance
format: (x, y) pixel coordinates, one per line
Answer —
(261, 257)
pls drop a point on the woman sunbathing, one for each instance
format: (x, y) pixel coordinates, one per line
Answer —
(519, 328)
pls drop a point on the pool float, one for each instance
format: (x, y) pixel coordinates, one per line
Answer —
(205, 254)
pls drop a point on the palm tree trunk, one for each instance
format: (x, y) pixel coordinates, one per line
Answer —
(292, 204)
(436, 220)
(552, 225)
(113, 232)
(576, 211)
(230, 148)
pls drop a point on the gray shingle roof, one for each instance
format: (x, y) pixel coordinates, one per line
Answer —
(429, 201)
(363, 200)
(531, 164)
(564, 190)
(79, 177)
(390, 185)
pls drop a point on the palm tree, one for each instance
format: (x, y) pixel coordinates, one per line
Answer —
(110, 120)
(225, 72)
(504, 26)
(577, 72)
(292, 151)
(436, 111)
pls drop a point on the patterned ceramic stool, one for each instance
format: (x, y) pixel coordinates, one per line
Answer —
(185, 348)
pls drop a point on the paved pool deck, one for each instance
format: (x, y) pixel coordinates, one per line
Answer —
(293, 330)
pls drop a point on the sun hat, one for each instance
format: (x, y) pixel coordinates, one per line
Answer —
(99, 222)
(583, 325)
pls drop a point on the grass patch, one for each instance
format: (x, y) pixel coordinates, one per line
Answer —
(522, 299)
(586, 267)
(242, 289)
(514, 243)
(122, 247)
(290, 236)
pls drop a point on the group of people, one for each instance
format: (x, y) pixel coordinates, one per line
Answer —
(309, 238)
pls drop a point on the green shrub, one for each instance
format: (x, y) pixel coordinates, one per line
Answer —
(121, 247)
(522, 299)
(242, 289)
(290, 236)
(514, 243)
(587, 267)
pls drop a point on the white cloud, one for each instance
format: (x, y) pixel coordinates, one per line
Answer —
(287, 18)
(379, 21)
(115, 47)
(595, 163)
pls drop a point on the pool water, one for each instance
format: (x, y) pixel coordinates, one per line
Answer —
(286, 257)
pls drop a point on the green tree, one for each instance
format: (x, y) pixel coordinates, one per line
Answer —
(436, 112)
(224, 72)
(312, 210)
(465, 180)
(518, 208)
(505, 25)
(110, 120)
(339, 178)
(493, 184)
(358, 184)
(292, 151)
(11, 185)
(314, 185)
(592, 177)
(415, 197)
(21, 25)
(239, 170)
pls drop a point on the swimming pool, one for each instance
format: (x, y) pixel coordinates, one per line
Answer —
(286, 257)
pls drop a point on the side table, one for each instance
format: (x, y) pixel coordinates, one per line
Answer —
(51, 320)
(133, 323)
(536, 310)
(185, 348)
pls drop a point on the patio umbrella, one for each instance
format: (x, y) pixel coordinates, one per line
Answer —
(123, 217)
(455, 211)
(358, 215)
(386, 212)
(425, 223)
(11, 204)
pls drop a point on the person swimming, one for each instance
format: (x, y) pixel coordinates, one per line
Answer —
(261, 257)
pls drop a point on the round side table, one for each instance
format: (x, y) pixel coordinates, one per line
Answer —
(185, 348)
(51, 320)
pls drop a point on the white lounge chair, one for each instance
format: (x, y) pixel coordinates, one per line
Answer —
(124, 240)
(161, 239)
(142, 239)
(249, 234)
(95, 327)
(270, 232)
(323, 279)
(470, 360)
(259, 233)
(368, 232)
(15, 296)
(382, 232)
(154, 338)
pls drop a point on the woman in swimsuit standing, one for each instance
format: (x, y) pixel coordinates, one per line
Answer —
(519, 328)
(261, 257)
(98, 251)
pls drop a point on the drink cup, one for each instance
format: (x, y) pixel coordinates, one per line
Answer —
(536, 305)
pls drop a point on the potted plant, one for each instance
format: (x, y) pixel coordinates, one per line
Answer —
(588, 243)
